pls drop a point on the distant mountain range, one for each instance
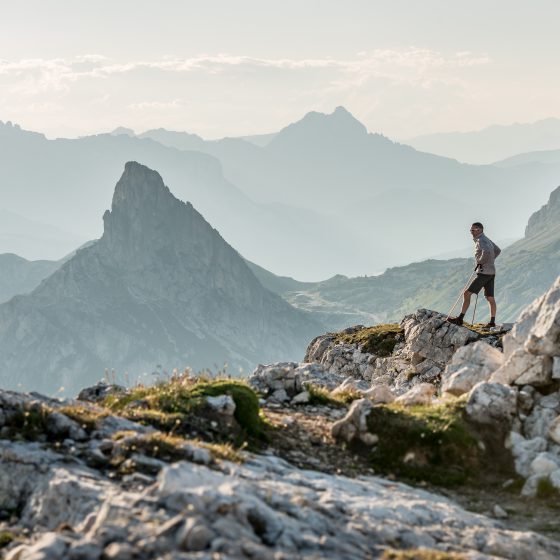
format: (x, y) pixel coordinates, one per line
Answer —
(390, 196)
(320, 197)
(160, 290)
(494, 143)
(525, 270)
(33, 239)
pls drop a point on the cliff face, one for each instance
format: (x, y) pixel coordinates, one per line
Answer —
(160, 290)
(545, 218)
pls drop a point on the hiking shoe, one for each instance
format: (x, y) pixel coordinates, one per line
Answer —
(455, 320)
(490, 325)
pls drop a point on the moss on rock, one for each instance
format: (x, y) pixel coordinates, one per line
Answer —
(430, 443)
(177, 406)
(379, 339)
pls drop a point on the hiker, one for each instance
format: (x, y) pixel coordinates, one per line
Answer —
(485, 253)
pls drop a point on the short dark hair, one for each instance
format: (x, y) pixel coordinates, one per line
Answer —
(478, 225)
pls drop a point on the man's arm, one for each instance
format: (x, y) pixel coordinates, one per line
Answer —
(497, 250)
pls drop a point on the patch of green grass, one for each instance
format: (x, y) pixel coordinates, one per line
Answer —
(421, 554)
(6, 538)
(87, 417)
(319, 396)
(170, 405)
(379, 340)
(28, 424)
(430, 443)
(246, 402)
(546, 490)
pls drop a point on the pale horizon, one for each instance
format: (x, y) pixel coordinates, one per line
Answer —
(220, 70)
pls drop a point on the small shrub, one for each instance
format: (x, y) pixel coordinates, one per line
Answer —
(319, 396)
(175, 405)
(6, 538)
(546, 490)
(431, 443)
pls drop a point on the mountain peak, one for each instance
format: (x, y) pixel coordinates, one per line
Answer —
(144, 214)
(340, 125)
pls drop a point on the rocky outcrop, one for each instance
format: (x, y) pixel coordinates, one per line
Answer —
(426, 346)
(161, 290)
(198, 507)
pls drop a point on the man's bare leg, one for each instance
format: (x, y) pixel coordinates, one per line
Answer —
(492, 304)
(466, 301)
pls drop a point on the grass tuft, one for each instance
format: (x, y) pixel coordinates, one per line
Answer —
(546, 490)
(430, 443)
(6, 538)
(379, 340)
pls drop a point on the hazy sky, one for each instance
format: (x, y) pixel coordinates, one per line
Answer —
(234, 67)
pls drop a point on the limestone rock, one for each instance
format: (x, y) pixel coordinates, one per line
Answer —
(301, 398)
(354, 424)
(544, 464)
(429, 336)
(222, 404)
(524, 451)
(470, 365)
(491, 403)
(554, 430)
(100, 391)
(292, 377)
(522, 368)
(544, 336)
(419, 395)
(380, 394)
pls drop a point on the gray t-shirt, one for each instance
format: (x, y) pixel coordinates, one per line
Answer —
(485, 253)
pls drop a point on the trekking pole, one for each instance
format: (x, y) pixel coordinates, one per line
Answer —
(461, 293)
(474, 310)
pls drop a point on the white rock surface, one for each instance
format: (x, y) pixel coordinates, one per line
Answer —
(419, 395)
(470, 365)
(554, 430)
(491, 403)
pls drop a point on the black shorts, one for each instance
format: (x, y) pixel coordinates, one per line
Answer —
(485, 281)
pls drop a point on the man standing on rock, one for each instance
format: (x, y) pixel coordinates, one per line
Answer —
(485, 253)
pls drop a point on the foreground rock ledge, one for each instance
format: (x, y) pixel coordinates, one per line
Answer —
(263, 508)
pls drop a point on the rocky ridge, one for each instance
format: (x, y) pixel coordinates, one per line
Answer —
(139, 485)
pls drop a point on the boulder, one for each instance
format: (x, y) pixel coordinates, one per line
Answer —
(554, 430)
(523, 368)
(380, 394)
(524, 451)
(544, 335)
(539, 422)
(354, 424)
(544, 464)
(429, 336)
(470, 365)
(491, 404)
(421, 394)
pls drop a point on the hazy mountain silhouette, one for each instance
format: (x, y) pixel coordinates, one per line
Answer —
(531, 158)
(494, 143)
(373, 186)
(33, 239)
(161, 287)
(332, 197)
(20, 276)
(67, 182)
(525, 270)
